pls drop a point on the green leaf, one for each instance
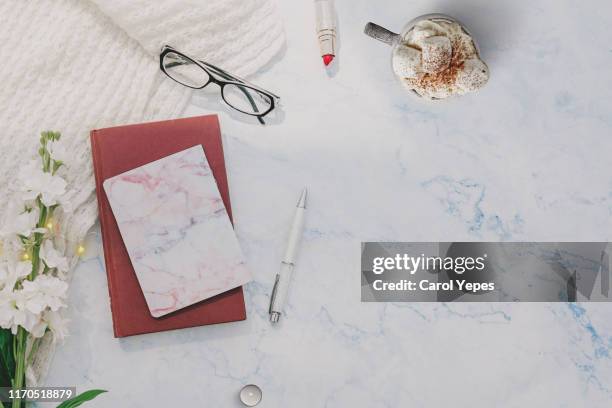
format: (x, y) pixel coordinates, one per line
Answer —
(56, 165)
(7, 359)
(80, 399)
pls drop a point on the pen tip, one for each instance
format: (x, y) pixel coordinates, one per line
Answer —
(327, 59)
(302, 201)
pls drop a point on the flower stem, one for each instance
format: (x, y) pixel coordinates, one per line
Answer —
(20, 362)
(38, 238)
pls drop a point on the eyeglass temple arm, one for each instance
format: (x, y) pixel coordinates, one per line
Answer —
(223, 72)
(217, 70)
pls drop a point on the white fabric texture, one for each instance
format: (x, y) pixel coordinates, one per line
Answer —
(237, 35)
(76, 65)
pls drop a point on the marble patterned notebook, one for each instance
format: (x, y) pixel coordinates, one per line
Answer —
(176, 230)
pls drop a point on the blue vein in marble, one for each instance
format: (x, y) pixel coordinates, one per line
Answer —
(463, 199)
(601, 349)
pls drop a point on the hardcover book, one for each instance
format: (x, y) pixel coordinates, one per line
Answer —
(120, 149)
(176, 230)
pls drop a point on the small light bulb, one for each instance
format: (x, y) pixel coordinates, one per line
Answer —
(49, 225)
(80, 250)
(25, 256)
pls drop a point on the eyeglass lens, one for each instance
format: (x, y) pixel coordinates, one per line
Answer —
(184, 70)
(245, 99)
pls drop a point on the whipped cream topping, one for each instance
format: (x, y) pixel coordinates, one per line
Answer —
(437, 59)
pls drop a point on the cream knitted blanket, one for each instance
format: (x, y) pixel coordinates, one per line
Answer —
(76, 65)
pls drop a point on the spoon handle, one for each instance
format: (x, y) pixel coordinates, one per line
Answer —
(381, 33)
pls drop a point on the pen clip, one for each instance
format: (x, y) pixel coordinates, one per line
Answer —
(273, 295)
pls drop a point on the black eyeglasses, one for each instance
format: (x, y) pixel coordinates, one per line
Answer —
(236, 92)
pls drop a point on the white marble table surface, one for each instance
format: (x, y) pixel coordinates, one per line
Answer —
(528, 158)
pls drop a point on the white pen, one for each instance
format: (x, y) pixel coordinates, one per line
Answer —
(326, 29)
(283, 277)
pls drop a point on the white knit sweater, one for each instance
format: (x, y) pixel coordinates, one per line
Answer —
(76, 65)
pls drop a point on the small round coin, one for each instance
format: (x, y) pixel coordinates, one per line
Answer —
(250, 395)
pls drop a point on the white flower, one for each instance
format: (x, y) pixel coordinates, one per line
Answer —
(7, 309)
(4, 274)
(35, 326)
(52, 257)
(11, 271)
(11, 316)
(43, 292)
(11, 246)
(33, 307)
(57, 324)
(17, 220)
(57, 151)
(33, 181)
(32, 304)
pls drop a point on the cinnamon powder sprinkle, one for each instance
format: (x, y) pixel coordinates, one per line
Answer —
(444, 81)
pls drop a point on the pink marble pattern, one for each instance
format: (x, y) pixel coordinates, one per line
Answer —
(177, 231)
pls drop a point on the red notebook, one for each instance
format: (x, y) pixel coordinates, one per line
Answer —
(118, 149)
